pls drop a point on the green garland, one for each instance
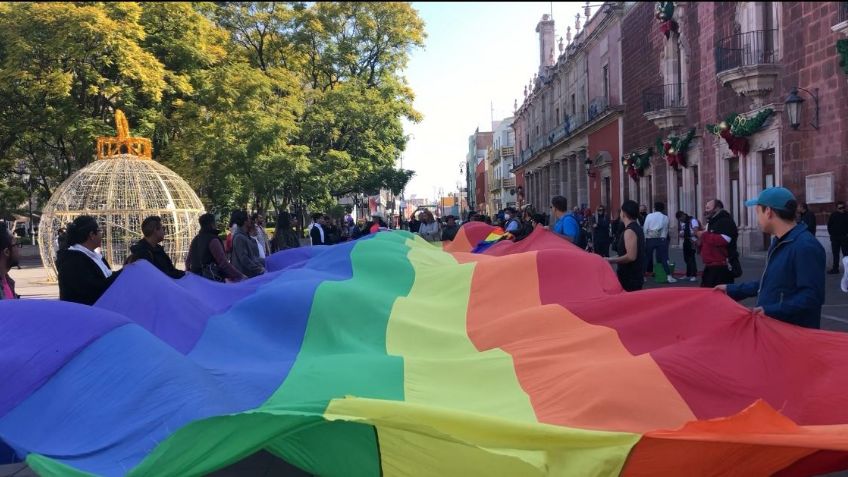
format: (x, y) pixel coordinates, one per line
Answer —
(639, 162)
(678, 144)
(739, 125)
(842, 49)
(674, 148)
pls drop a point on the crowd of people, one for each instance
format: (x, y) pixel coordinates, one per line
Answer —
(791, 287)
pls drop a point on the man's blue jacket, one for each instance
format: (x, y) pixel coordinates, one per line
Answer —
(792, 286)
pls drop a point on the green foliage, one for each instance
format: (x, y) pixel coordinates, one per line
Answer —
(678, 143)
(740, 126)
(638, 161)
(258, 104)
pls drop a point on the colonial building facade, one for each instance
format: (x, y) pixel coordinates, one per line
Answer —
(479, 144)
(568, 128)
(499, 161)
(697, 101)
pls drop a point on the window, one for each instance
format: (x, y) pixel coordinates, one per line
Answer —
(557, 116)
(573, 105)
(606, 82)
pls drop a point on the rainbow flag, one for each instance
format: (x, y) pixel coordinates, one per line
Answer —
(392, 356)
(495, 235)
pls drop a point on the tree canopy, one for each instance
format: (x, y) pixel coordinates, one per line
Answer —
(256, 104)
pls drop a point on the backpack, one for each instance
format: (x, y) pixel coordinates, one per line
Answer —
(582, 239)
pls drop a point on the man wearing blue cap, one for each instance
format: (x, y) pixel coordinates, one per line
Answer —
(792, 286)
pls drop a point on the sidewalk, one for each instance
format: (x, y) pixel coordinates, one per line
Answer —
(834, 312)
(31, 280)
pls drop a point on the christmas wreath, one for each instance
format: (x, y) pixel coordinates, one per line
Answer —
(635, 164)
(735, 129)
(674, 148)
(664, 13)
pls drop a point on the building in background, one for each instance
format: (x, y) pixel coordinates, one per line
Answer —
(501, 180)
(738, 62)
(568, 128)
(622, 112)
(478, 145)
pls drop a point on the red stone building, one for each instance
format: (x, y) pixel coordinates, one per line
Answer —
(568, 129)
(743, 58)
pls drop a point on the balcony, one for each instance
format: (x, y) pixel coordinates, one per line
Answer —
(665, 105)
(508, 183)
(841, 18)
(747, 62)
(495, 185)
(507, 151)
(598, 106)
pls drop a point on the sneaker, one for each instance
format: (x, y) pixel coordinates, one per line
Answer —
(844, 282)
(672, 280)
(693, 279)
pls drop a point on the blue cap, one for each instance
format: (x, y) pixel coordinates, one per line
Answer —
(773, 197)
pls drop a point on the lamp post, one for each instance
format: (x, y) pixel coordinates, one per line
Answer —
(793, 107)
(587, 164)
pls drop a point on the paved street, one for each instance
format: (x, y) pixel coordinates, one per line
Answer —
(31, 282)
(834, 313)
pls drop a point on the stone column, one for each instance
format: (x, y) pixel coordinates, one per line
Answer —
(582, 182)
(672, 206)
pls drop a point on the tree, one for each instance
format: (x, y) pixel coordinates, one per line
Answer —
(64, 68)
(347, 58)
(260, 103)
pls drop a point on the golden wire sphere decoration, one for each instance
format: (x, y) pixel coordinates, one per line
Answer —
(121, 189)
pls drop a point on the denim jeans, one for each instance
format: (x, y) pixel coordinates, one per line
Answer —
(661, 247)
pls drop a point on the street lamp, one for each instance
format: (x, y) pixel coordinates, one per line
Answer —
(793, 107)
(588, 165)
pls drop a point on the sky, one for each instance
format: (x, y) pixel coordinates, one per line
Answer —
(477, 56)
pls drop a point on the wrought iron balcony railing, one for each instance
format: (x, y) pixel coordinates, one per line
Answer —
(661, 97)
(746, 49)
(597, 106)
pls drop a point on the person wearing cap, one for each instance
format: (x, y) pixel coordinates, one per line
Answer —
(792, 286)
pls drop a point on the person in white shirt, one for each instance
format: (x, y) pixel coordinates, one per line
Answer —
(260, 236)
(656, 239)
(429, 229)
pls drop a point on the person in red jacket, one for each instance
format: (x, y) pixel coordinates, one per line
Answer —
(714, 253)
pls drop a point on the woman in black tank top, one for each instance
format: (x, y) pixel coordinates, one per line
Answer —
(631, 249)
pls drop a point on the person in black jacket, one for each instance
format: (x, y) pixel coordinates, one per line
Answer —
(84, 275)
(601, 233)
(720, 222)
(837, 228)
(807, 218)
(149, 249)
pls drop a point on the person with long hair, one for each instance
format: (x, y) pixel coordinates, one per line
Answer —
(84, 274)
(429, 229)
(206, 256)
(284, 236)
(631, 249)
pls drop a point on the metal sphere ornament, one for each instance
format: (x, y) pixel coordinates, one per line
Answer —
(120, 189)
